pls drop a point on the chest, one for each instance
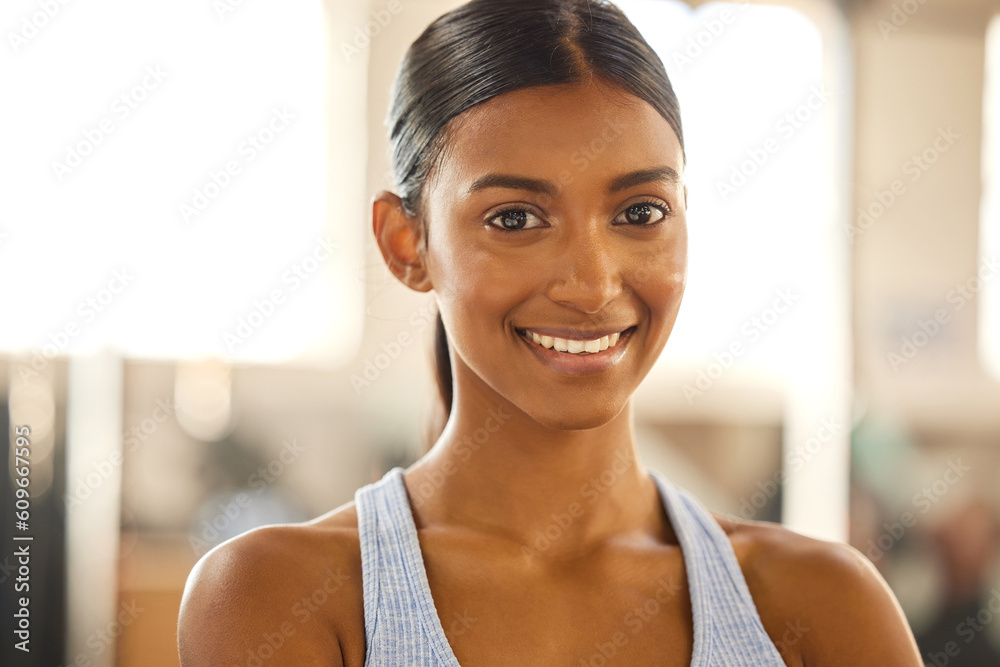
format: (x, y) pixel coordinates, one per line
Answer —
(624, 606)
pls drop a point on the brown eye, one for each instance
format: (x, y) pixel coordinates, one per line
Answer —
(643, 214)
(512, 220)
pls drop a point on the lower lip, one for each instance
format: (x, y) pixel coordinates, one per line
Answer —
(580, 364)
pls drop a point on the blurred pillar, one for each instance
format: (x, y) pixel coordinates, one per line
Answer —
(817, 423)
(93, 479)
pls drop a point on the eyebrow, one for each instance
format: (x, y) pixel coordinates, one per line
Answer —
(631, 179)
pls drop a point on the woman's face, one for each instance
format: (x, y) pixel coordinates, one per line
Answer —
(557, 210)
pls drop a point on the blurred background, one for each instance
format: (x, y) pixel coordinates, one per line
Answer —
(199, 332)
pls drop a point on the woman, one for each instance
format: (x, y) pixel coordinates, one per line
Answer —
(539, 159)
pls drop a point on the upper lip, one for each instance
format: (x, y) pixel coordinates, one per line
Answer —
(570, 333)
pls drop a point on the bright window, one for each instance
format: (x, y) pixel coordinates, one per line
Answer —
(165, 181)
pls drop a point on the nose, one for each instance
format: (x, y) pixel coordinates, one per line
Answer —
(587, 273)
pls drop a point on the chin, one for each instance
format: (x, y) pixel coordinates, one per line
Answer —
(565, 418)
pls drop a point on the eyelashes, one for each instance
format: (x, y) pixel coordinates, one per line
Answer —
(644, 209)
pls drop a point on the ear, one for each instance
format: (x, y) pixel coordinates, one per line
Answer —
(399, 239)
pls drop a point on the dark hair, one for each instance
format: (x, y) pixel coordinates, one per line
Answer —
(485, 48)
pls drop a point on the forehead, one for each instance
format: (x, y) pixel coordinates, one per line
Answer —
(589, 132)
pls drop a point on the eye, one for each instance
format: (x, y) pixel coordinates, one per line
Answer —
(642, 214)
(513, 219)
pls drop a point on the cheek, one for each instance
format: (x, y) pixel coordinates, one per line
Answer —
(659, 277)
(476, 287)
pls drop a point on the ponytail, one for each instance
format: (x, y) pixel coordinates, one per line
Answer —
(440, 409)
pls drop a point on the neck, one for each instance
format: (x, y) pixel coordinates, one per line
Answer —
(556, 492)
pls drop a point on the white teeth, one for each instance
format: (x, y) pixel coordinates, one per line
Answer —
(575, 346)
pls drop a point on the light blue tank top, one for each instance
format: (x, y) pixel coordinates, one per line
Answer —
(402, 625)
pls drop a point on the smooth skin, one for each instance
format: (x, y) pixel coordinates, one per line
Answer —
(584, 257)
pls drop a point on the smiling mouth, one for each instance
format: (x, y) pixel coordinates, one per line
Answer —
(578, 347)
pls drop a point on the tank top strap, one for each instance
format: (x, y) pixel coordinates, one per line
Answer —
(727, 625)
(402, 626)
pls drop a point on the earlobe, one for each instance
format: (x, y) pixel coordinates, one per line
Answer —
(398, 238)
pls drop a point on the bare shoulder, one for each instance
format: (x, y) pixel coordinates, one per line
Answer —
(291, 590)
(821, 602)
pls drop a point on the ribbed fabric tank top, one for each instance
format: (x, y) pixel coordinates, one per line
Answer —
(401, 622)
